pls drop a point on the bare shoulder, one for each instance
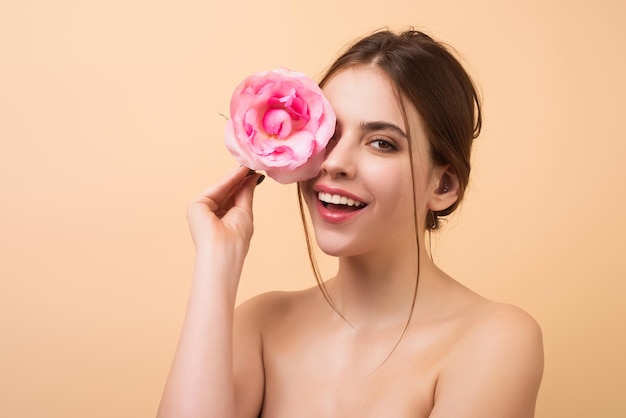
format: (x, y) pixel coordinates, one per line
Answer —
(253, 320)
(505, 326)
(506, 337)
(496, 366)
(268, 308)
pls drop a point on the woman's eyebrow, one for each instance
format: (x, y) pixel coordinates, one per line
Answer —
(383, 126)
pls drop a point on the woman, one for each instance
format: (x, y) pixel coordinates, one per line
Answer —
(391, 335)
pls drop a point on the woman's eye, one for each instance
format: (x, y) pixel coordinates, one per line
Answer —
(382, 145)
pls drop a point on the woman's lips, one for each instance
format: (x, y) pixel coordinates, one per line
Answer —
(334, 214)
(336, 205)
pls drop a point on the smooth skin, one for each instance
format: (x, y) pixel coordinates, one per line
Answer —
(289, 354)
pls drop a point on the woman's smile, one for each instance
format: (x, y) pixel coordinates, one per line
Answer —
(336, 205)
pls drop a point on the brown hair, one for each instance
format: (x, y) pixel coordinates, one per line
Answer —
(427, 74)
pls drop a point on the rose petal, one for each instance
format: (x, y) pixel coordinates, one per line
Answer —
(304, 172)
(277, 122)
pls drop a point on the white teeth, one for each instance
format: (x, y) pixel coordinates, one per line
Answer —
(338, 199)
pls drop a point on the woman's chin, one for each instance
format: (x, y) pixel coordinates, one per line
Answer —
(337, 247)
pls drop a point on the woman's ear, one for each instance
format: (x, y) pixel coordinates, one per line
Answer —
(444, 190)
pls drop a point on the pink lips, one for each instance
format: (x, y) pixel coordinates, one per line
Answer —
(330, 215)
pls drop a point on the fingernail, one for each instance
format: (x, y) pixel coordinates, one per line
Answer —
(260, 179)
(251, 172)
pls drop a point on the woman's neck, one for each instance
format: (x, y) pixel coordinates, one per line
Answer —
(378, 291)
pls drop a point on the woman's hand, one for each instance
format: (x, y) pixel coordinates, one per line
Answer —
(221, 216)
(201, 381)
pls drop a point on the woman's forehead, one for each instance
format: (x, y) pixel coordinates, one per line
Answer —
(363, 93)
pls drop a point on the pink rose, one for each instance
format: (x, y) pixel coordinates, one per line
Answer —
(280, 122)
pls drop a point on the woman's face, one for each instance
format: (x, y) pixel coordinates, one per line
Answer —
(362, 199)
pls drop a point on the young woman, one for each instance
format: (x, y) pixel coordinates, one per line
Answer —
(390, 335)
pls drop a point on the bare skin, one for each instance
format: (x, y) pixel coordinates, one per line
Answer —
(463, 356)
(289, 354)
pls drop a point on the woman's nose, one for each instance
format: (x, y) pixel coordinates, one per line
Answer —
(340, 158)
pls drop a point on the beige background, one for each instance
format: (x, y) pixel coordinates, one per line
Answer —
(109, 124)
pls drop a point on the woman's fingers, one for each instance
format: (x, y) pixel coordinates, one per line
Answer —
(242, 199)
(217, 194)
(225, 185)
(234, 190)
(223, 213)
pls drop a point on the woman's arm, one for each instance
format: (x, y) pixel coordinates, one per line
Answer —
(496, 371)
(201, 382)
